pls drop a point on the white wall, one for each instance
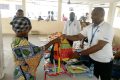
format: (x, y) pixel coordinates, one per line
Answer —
(43, 27)
(1, 52)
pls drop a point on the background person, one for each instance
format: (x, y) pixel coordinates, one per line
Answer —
(72, 26)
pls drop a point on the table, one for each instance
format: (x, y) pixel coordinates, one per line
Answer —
(75, 77)
(72, 76)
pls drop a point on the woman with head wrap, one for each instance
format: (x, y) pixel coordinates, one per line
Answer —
(26, 55)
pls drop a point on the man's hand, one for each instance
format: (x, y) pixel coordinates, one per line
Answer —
(77, 53)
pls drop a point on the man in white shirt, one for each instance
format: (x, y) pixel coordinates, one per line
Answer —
(72, 26)
(100, 36)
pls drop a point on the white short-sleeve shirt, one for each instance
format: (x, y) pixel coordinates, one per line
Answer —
(72, 28)
(103, 32)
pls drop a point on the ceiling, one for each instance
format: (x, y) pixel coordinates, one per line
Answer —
(77, 1)
(90, 1)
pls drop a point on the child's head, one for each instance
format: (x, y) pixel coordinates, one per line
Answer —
(19, 13)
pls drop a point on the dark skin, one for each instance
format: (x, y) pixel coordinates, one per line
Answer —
(97, 17)
(72, 16)
(19, 14)
(25, 33)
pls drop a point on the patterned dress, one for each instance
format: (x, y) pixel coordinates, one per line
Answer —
(27, 58)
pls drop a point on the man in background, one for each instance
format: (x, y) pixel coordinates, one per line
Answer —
(72, 26)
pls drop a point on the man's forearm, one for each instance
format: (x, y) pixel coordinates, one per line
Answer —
(91, 50)
(74, 37)
(94, 48)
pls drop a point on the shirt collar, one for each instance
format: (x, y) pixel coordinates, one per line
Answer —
(100, 23)
(72, 21)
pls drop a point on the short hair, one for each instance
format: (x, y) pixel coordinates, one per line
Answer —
(19, 10)
(72, 13)
(100, 10)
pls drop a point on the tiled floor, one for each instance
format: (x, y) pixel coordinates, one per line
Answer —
(37, 40)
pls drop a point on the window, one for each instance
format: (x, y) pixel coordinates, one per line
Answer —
(78, 9)
(37, 8)
(4, 6)
(117, 18)
(106, 13)
(18, 7)
(8, 7)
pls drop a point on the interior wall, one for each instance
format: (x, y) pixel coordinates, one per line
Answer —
(116, 40)
(41, 27)
(44, 27)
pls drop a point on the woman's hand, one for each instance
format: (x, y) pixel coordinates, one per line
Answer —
(57, 40)
(64, 36)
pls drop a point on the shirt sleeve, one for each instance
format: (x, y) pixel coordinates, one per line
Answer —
(84, 31)
(106, 34)
(78, 26)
